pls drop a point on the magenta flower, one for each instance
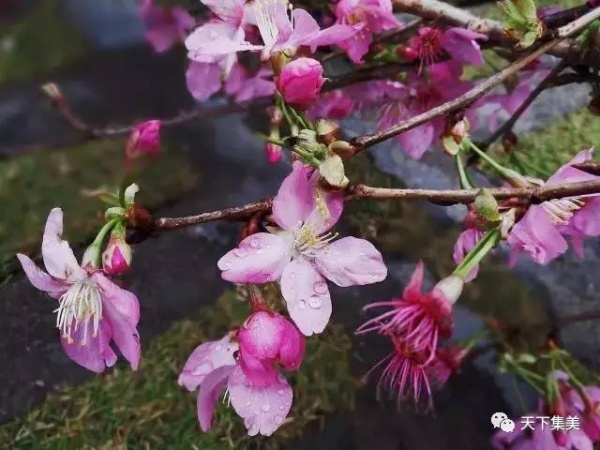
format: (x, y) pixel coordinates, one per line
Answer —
(335, 105)
(419, 96)
(203, 79)
(212, 366)
(538, 233)
(245, 86)
(301, 254)
(144, 139)
(274, 152)
(368, 17)
(300, 82)
(267, 338)
(165, 26)
(116, 259)
(466, 241)
(92, 310)
(431, 43)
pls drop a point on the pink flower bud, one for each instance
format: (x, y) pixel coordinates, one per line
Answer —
(144, 139)
(116, 259)
(300, 82)
(273, 152)
(267, 338)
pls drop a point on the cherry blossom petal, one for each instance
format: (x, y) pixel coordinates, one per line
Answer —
(329, 205)
(260, 258)
(295, 199)
(569, 174)
(263, 409)
(260, 372)
(307, 296)
(417, 141)
(59, 259)
(210, 391)
(415, 284)
(462, 46)
(40, 279)
(206, 358)
(124, 334)
(203, 79)
(291, 350)
(124, 302)
(464, 244)
(93, 353)
(350, 262)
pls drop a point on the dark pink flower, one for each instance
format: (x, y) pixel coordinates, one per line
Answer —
(92, 310)
(144, 139)
(267, 338)
(165, 26)
(301, 254)
(212, 367)
(447, 362)
(116, 259)
(300, 82)
(368, 17)
(274, 152)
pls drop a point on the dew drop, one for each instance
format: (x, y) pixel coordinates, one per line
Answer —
(218, 348)
(278, 419)
(240, 252)
(265, 408)
(320, 287)
(281, 407)
(202, 369)
(248, 404)
(259, 251)
(280, 392)
(254, 243)
(315, 302)
(224, 265)
(301, 304)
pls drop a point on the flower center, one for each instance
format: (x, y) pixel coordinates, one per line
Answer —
(80, 304)
(266, 12)
(561, 210)
(308, 240)
(428, 44)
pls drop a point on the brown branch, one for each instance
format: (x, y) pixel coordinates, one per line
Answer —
(465, 100)
(535, 194)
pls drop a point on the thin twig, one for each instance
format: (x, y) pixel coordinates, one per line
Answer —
(465, 100)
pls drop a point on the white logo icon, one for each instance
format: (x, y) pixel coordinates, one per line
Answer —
(507, 426)
(497, 419)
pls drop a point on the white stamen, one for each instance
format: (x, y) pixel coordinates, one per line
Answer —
(80, 304)
(308, 240)
(561, 210)
(266, 14)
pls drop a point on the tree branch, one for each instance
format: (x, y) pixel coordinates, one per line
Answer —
(465, 100)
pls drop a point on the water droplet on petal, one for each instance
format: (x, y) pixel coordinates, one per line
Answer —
(320, 287)
(265, 408)
(224, 265)
(301, 304)
(282, 407)
(259, 251)
(280, 392)
(254, 243)
(248, 403)
(218, 348)
(202, 369)
(315, 302)
(278, 419)
(240, 252)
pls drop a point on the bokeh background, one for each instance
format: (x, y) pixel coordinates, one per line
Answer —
(95, 51)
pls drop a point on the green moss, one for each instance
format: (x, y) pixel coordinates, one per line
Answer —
(32, 184)
(38, 44)
(147, 409)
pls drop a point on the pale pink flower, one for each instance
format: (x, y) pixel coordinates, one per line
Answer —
(165, 26)
(538, 233)
(212, 367)
(245, 86)
(116, 259)
(92, 310)
(203, 79)
(144, 139)
(301, 254)
(267, 338)
(430, 43)
(585, 403)
(466, 241)
(300, 82)
(419, 96)
(368, 17)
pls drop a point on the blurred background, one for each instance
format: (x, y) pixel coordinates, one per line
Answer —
(96, 53)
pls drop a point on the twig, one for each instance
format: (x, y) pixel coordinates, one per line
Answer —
(507, 126)
(465, 100)
(535, 194)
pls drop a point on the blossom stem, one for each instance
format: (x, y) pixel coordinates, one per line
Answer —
(500, 169)
(465, 182)
(94, 251)
(477, 253)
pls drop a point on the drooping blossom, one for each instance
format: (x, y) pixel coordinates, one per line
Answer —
(416, 324)
(368, 17)
(245, 86)
(430, 43)
(165, 26)
(302, 255)
(540, 232)
(466, 241)
(300, 82)
(212, 367)
(267, 338)
(447, 362)
(418, 96)
(144, 139)
(92, 310)
(279, 32)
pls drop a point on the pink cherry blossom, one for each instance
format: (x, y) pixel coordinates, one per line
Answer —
(301, 255)
(203, 79)
(466, 241)
(430, 43)
(165, 26)
(274, 152)
(212, 367)
(368, 17)
(144, 139)
(539, 232)
(267, 338)
(245, 86)
(300, 82)
(92, 310)
(444, 84)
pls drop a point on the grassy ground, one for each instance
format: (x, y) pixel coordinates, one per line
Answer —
(32, 184)
(147, 409)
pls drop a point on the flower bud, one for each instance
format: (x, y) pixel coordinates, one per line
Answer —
(332, 170)
(451, 287)
(300, 82)
(144, 139)
(274, 152)
(327, 130)
(53, 91)
(116, 259)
